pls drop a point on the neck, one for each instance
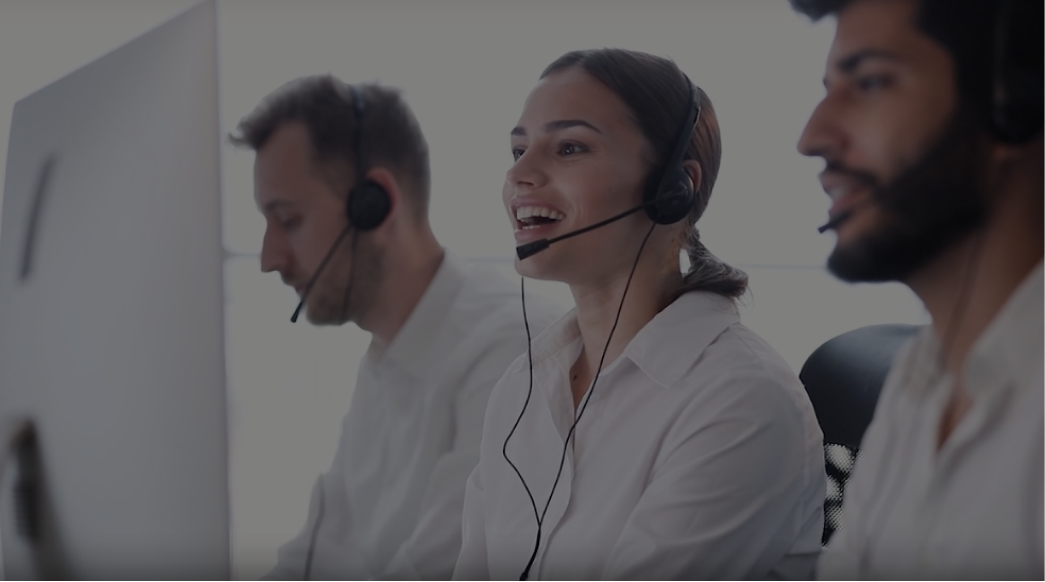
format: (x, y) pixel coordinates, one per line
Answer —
(409, 269)
(651, 290)
(987, 267)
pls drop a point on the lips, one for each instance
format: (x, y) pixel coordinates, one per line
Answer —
(534, 219)
(530, 217)
(846, 191)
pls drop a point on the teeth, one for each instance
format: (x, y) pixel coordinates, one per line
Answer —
(525, 212)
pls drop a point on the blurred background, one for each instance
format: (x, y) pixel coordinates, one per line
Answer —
(466, 67)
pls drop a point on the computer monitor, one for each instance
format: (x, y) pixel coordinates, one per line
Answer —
(111, 315)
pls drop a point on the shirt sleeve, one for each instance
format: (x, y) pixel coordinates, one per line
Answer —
(327, 533)
(722, 497)
(472, 559)
(471, 562)
(325, 536)
(432, 550)
(290, 562)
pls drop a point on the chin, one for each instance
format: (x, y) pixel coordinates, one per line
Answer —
(324, 314)
(880, 257)
(541, 266)
(321, 320)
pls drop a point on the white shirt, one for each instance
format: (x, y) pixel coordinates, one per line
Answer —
(699, 457)
(974, 508)
(393, 497)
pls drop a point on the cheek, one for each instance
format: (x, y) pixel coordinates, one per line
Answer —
(610, 191)
(590, 193)
(307, 244)
(892, 141)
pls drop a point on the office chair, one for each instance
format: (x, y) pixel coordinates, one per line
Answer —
(843, 378)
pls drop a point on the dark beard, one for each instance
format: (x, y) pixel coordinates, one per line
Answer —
(927, 208)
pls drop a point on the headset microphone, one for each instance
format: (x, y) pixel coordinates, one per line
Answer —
(315, 276)
(836, 221)
(368, 203)
(845, 215)
(532, 248)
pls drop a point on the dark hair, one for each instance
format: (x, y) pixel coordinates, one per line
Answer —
(323, 103)
(967, 30)
(658, 95)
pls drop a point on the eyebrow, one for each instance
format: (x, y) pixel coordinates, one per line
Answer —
(854, 60)
(558, 125)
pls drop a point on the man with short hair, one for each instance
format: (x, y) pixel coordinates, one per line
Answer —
(931, 130)
(341, 175)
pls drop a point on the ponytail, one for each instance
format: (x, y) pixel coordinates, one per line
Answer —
(708, 273)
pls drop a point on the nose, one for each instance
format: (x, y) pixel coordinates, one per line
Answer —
(823, 135)
(274, 252)
(526, 172)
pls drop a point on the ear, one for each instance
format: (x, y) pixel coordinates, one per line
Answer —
(695, 173)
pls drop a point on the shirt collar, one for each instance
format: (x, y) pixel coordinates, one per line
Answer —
(666, 347)
(1008, 352)
(1011, 346)
(669, 345)
(415, 344)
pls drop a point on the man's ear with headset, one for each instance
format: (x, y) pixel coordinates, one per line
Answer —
(379, 182)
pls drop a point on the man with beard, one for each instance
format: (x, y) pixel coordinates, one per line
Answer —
(931, 130)
(342, 177)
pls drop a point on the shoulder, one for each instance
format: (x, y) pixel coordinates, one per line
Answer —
(740, 351)
(484, 325)
(489, 308)
(740, 371)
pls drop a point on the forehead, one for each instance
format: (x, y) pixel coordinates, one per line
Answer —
(284, 170)
(882, 25)
(288, 148)
(573, 93)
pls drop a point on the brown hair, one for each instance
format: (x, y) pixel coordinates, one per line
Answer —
(323, 103)
(659, 96)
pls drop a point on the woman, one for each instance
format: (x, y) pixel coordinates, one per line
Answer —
(695, 452)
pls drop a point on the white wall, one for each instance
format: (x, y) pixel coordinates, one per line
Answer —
(465, 67)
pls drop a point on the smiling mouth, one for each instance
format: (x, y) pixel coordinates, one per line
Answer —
(530, 217)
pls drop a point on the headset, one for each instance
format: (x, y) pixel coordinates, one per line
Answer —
(368, 202)
(668, 203)
(1017, 94)
(673, 197)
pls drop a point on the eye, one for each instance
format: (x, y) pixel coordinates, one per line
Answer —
(288, 224)
(570, 148)
(517, 153)
(869, 83)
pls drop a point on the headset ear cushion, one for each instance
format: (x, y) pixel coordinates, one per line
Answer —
(674, 198)
(368, 206)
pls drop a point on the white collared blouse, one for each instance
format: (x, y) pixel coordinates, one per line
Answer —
(699, 456)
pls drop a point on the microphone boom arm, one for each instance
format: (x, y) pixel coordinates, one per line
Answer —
(532, 248)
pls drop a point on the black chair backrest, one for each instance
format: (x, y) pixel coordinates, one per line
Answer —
(843, 378)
